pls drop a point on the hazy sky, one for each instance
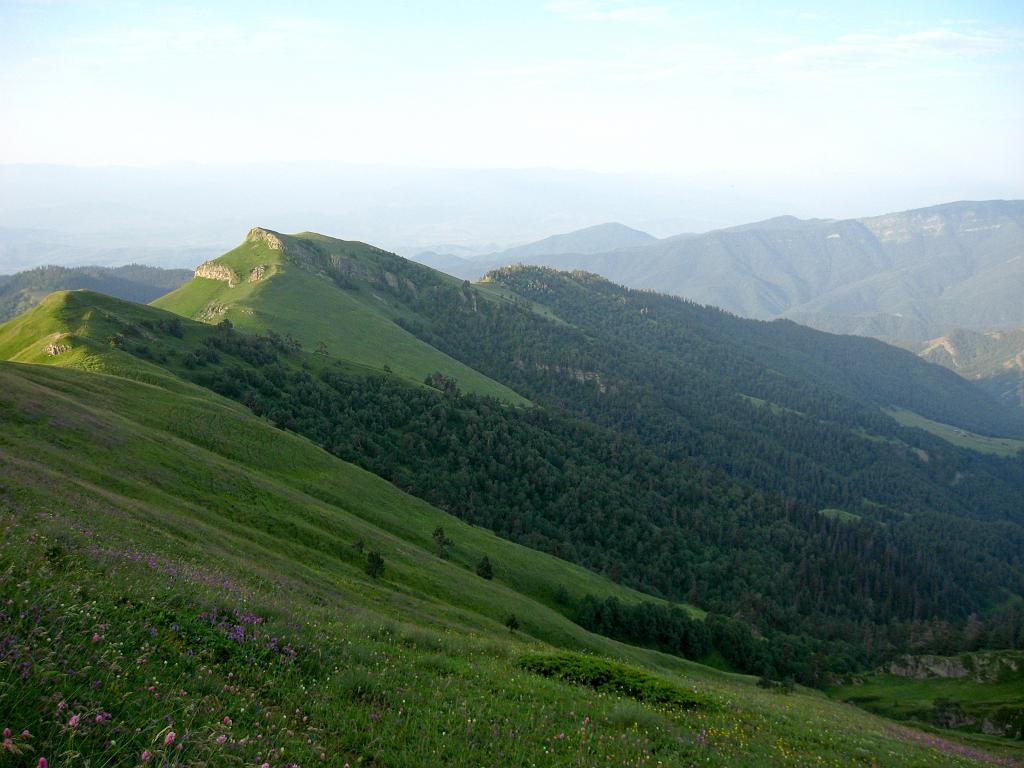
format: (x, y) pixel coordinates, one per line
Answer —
(857, 93)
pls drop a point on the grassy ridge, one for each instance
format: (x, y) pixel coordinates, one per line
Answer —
(211, 557)
(998, 446)
(355, 324)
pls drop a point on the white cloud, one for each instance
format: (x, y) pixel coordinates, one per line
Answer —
(857, 51)
(592, 10)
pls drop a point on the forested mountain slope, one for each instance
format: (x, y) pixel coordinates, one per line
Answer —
(995, 360)
(906, 276)
(693, 455)
(192, 586)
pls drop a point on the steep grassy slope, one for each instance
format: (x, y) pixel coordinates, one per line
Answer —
(188, 584)
(588, 494)
(134, 282)
(318, 289)
(650, 401)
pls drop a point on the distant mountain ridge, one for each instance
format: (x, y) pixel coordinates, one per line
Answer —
(599, 238)
(134, 282)
(909, 276)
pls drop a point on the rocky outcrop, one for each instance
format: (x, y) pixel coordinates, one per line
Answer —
(261, 235)
(258, 273)
(573, 373)
(982, 667)
(53, 348)
(214, 271)
(923, 667)
(213, 312)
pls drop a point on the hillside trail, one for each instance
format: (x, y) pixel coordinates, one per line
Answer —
(952, 748)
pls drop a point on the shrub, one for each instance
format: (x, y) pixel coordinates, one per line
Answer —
(374, 564)
(441, 543)
(611, 677)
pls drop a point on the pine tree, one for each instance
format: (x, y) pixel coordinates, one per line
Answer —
(484, 569)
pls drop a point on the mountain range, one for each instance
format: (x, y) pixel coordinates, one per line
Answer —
(908, 276)
(389, 508)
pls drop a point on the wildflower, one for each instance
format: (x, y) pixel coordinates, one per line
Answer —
(25, 734)
(42, 763)
(95, 637)
(227, 720)
(145, 756)
(7, 733)
(265, 765)
(169, 738)
(221, 739)
(73, 722)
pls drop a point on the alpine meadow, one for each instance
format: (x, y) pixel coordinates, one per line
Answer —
(649, 393)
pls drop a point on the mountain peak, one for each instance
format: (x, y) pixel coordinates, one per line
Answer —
(268, 236)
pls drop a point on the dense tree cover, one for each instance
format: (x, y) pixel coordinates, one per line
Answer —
(830, 594)
(676, 377)
(777, 655)
(665, 628)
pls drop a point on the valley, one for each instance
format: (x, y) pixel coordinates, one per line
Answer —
(608, 451)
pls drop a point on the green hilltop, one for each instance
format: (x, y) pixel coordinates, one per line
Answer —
(342, 293)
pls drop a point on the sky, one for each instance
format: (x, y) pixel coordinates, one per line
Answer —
(926, 96)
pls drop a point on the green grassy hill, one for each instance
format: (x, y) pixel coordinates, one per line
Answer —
(134, 282)
(183, 582)
(319, 289)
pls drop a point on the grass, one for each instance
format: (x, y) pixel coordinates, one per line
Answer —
(992, 690)
(214, 557)
(834, 513)
(998, 446)
(356, 323)
(168, 560)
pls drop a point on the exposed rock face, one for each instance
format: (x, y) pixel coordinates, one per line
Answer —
(982, 667)
(261, 235)
(324, 261)
(213, 311)
(213, 271)
(923, 667)
(53, 349)
(573, 373)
